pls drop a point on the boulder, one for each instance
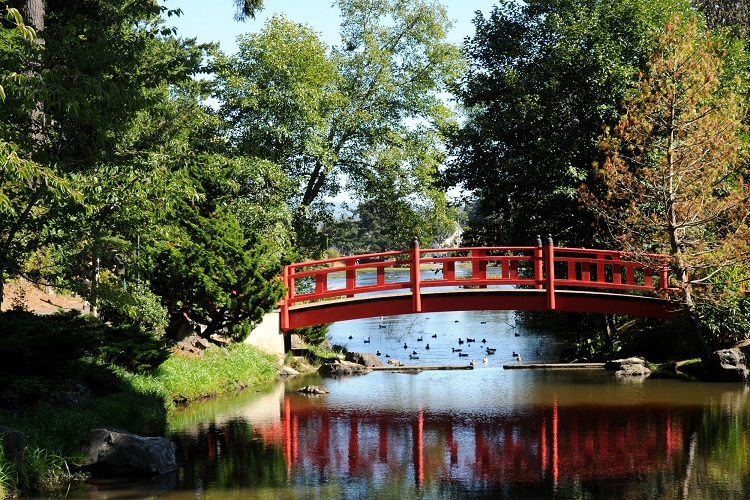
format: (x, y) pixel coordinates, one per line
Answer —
(313, 389)
(287, 371)
(363, 358)
(726, 365)
(13, 442)
(629, 367)
(113, 452)
(340, 368)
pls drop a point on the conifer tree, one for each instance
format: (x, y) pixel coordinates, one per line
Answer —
(673, 178)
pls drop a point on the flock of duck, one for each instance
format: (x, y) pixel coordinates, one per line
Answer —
(463, 343)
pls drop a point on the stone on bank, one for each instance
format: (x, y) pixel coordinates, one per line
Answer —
(114, 452)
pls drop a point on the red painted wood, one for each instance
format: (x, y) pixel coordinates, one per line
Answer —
(307, 282)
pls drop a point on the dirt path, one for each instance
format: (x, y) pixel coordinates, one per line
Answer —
(37, 300)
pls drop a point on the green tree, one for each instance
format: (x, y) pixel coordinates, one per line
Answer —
(213, 274)
(674, 169)
(366, 117)
(544, 76)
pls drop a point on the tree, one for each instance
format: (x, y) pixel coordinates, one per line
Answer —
(247, 8)
(544, 76)
(210, 270)
(674, 169)
(366, 117)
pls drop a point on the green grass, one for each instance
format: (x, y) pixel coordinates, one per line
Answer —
(218, 371)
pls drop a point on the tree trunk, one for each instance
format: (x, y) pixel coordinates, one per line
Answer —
(32, 12)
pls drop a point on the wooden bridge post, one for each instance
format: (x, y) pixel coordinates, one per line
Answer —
(538, 256)
(284, 304)
(549, 262)
(415, 276)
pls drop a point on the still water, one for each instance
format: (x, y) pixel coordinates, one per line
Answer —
(489, 432)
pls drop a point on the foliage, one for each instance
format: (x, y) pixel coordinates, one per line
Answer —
(724, 307)
(68, 120)
(139, 307)
(366, 116)
(313, 335)
(544, 77)
(674, 170)
(43, 354)
(214, 274)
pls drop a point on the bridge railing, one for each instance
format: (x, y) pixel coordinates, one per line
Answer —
(542, 267)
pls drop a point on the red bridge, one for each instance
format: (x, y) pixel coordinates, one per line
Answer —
(541, 277)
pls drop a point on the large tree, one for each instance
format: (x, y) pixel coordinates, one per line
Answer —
(365, 117)
(675, 170)
(545, 76)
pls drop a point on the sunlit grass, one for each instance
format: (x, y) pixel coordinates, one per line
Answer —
(188, 378)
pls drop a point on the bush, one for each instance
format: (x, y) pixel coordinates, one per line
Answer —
(43, 353)
(138, 307)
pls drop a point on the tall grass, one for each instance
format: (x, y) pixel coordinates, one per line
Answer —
(218, 371)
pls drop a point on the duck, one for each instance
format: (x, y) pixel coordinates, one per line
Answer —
(485, 360)
(405, 346)
(472, 362)
(412, 356)
(350, 337)
(469, 341)
(367, 341)
(387, 355)
(484, 341)
(460, 342)
(419, 339)
(377, 353)
(491, 350)
(414, 352)
(517, 334)
(482, 322)
(464, 354)
(381, 326)
(427, 346)
(453, 349)
(434, 335)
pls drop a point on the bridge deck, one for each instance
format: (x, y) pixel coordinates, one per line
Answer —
(368, 306)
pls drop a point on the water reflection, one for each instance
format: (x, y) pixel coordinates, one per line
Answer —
(561, 442)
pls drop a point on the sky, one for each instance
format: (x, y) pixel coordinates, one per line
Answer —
(214, 21)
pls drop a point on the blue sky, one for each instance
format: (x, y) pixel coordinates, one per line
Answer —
(214, 21)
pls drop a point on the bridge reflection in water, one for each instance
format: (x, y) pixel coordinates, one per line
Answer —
(543, 444)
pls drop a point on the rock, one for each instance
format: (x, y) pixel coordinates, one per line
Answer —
(726, 365)
(313, 389)
(394, 361)
(340, 368)
(13, 442)
(629, 367)
(288, 371)
(297, 341)
(363, 358)
(112, 452)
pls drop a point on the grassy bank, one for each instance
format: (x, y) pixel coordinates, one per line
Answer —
(139, 403)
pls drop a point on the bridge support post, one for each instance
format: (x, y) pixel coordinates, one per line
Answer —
(538, 266)
(284, 304)
(549, 262)
(415, 276)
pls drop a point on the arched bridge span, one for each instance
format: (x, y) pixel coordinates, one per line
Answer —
(541, 277)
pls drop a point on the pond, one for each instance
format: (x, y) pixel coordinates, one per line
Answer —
(488, 432)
